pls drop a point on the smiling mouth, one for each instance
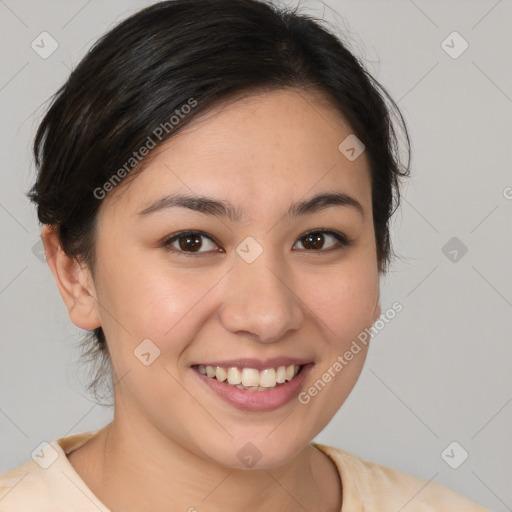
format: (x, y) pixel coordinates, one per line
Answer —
(251, 379)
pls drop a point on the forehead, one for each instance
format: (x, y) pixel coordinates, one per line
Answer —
(260, 151)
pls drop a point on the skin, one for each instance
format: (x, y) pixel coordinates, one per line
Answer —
(173, 443)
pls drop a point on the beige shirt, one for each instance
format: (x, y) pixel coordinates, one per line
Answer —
(49, 483)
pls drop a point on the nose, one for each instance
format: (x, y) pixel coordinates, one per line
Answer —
(260, 301)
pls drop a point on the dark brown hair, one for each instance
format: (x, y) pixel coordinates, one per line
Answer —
(145, 69)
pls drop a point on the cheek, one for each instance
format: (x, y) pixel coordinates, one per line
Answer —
(344, 300)
(153, 300)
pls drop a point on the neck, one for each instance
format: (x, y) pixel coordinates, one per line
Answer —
(132, 468)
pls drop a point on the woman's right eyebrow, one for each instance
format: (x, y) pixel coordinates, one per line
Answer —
(223, 208)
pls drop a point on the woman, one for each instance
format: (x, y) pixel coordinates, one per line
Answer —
(216, 180)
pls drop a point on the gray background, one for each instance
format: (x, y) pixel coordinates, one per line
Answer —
(440, 371)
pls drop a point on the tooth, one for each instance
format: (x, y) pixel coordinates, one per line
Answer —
(268, 378)
(250, 377)
(234, 376)
(220, 374)
(281, 375)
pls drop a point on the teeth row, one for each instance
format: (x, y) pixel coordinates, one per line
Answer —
(249, 378)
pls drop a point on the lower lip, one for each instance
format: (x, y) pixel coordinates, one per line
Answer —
(257, 400)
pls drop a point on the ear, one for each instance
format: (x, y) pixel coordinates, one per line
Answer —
(74, 281)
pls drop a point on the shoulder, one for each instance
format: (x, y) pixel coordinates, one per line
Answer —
(47, 482)
(20, 485)
(377, 487)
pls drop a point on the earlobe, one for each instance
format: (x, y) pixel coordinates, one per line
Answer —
(74, 281)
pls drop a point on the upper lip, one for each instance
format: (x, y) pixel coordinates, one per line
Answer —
(257, 364)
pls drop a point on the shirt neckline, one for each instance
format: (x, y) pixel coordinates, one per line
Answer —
(68, 490)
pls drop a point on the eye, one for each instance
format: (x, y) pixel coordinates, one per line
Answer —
(314, 241)
(190, 242)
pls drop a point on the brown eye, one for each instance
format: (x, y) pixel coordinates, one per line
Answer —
(315, 240)
(190, 242)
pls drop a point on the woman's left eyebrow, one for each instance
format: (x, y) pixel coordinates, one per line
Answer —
(223, 208)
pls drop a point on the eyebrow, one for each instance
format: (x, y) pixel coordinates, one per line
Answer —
(223, 208)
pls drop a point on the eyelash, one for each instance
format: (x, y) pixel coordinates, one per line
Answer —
(343, 241)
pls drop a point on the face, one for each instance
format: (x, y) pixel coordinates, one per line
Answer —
(241, 283)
